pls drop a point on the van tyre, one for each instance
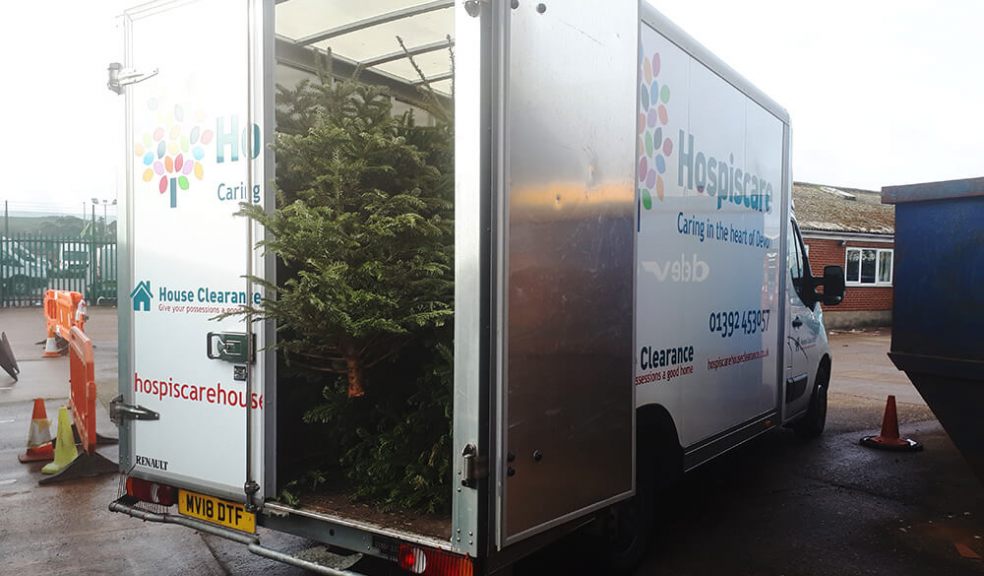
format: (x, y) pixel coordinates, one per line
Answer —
(812, 424)
(631, 524)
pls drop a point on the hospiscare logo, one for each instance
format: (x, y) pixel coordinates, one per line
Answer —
(174, 152)
(654, 147)
(717, 178)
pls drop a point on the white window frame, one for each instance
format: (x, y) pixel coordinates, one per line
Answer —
(878, 252)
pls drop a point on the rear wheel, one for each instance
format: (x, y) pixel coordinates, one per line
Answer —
(632, 525)
(630, 529)
(813, 423)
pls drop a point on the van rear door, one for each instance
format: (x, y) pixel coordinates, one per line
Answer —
(566, 391)
(188, 373)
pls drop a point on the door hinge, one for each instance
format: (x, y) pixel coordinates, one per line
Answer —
(474, 7)
(473, 468)
(120, 77)
(118, 412)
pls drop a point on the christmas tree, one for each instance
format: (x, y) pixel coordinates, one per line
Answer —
(363, 231)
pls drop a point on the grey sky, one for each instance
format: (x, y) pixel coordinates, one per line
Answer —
(880, 91)
(61, 144)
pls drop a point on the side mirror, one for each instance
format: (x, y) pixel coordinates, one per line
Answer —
(833, 286)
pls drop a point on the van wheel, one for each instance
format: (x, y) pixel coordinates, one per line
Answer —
(812, 424)
(630, 524)
(630, 527)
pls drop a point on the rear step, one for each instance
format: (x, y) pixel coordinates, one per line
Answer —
(126, 505)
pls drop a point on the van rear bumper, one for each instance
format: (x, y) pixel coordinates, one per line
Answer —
(127, 505)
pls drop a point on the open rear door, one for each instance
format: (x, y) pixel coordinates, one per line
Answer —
(567, 170)
(190, 377)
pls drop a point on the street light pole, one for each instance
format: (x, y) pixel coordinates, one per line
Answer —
(105, 203)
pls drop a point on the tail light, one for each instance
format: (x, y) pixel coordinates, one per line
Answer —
(430, 562)
(152, 492)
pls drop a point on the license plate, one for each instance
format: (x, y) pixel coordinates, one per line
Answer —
(217, 511)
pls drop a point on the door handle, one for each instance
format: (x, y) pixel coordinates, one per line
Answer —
(797, 322)
(228, 346)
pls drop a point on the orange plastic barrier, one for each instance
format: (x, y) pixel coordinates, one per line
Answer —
(82, 380)
(69, 462)
(63, 311)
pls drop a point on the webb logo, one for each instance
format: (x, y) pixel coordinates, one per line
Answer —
(682, 270)
(141, 297)
(653, 148)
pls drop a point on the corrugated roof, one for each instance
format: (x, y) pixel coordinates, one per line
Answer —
(369, 33)
(837, 209)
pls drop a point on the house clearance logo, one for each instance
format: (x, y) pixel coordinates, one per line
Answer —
(141, 296)
(653, 147)
(173, 152)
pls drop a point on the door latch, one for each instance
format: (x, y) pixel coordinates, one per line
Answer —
(120, 77)
(473, 467)
(229, 346)
(118, 412)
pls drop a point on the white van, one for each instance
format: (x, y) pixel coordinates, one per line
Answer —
(632, 296)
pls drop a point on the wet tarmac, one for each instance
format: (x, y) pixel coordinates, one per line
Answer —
(67, 528)
(777, 506)
(781, 506)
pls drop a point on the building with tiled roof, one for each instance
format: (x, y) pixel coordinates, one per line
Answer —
(851, 228)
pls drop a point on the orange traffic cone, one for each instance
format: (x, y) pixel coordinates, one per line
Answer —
(889, 438)
(39, 447)
(51, 348)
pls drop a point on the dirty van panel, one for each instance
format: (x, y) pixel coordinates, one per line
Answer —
(333, 58)
(567, 395)
(712, 189)
(191, 144)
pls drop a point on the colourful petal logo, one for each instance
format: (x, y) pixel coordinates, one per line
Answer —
(654, 148)
(173, 152)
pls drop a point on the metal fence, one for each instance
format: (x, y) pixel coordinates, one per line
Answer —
(31, 264)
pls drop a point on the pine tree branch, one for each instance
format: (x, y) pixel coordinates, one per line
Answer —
(425, 83)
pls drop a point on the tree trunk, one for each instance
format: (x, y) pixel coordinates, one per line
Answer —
(355, 389)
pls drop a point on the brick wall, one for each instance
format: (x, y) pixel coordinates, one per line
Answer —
(825, 252)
